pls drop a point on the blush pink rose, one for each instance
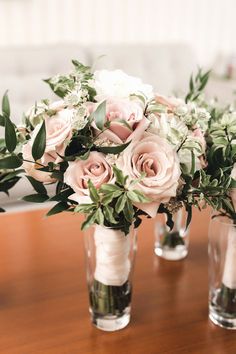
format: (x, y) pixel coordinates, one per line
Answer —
(197, 133)
(170, 102)
(126, 119)
(233, 190)
(154, 156)
(32, 168)
(79, 172)
(58, 131)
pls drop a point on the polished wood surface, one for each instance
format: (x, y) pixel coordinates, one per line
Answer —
(44, 303)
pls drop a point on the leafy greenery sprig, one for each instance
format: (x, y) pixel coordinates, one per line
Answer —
(113, 204)
(81, 75)
(197, 85)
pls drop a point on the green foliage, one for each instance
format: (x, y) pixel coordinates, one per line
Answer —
(6, 106)
(36, 198)
(10, 135)
(10, 162)
(112, 149)
(8, 180)
(99, 115)
(113, 205)
(58, 208)
(38, 186)
(39, 143)
(197, 85)
(61, 85)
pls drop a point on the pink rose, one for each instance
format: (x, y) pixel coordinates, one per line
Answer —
(126, 120)
(154, 156)
(170, 102)
(197, 133)
(58, 131)
(32, 168)
(233, 190)
(79, 172)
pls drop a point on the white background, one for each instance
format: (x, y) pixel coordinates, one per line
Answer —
(208, 25)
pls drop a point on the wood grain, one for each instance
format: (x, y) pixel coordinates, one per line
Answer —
(44, 303)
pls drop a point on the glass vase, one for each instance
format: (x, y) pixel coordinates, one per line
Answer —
(172, 244)
(110, 258)
(222, 272)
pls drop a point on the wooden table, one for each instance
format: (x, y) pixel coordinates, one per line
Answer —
(44, 304)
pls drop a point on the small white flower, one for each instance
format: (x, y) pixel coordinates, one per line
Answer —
(80, 118)
(181, 110)
(112, 159)
(55, 79)
(73, 98)
(203, 114)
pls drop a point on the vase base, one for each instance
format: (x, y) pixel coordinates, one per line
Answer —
(172, 254)
(110, 323)
(221, 320)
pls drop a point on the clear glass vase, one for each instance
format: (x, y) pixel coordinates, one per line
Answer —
(110, 258)
(172, 244)
(222, 272)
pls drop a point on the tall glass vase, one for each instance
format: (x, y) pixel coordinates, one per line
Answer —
(172, 244)
(222, 272)
(110, 260)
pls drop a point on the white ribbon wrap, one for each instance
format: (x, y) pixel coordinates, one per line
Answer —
(229, 273)
(112, 256)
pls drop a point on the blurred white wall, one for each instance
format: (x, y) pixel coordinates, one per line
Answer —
(208, 25)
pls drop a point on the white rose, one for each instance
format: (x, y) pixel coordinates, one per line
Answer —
(118, 84)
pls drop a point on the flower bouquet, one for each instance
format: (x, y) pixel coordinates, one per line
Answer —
(221, 156)
(115, 152)
(9, 176)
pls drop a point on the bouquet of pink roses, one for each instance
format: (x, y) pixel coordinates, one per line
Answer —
(115, 151)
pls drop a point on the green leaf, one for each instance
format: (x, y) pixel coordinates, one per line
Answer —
(6, 105)
(120, 178)
(191, 85)
(89, 221)
(10, 135)
(93, 192)
(7, 185)
(38, 186)
(128, 211)
(120, 204)
(193, 167)
(58, 208)
(138, 197)
(108, 213)
(108, 197)
(2, 121)
(10, 175)
(99, 216)
(189, 216)
(36, 198)
(112, 149)
(84, 208)
(109, 188)
(99, 115)
(62, 196)
(136, 181)
(2, 210)
(39, 144)
(10, 162)
(228, 205)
